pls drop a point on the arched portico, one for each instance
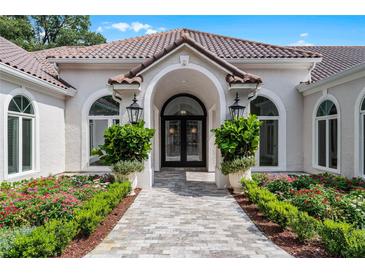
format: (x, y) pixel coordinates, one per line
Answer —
(191, 79)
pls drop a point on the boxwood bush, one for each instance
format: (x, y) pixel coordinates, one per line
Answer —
(340, 239)
(50, 239)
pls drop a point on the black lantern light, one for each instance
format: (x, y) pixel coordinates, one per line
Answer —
(236, 110)
(134, 111)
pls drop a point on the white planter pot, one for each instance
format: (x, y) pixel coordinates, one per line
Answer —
(133, 179)
(235, 180)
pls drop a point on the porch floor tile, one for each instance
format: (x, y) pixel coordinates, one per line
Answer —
(180, 218)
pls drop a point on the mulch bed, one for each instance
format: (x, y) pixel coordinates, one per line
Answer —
(81, 246)
(284, 238)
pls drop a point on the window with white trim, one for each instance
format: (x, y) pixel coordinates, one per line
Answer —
(20, 137)
(267, 113)
(362, 144)
(326, 136)
(103, 113)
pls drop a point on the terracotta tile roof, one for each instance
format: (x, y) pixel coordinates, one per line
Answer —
(20, 59)
(149, 45)
(335, 59)
(236, 75)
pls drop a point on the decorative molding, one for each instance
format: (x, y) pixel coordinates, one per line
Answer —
(184, 60)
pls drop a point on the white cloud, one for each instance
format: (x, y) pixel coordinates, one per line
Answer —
(137, 26)
(304, 34)
(151, 31)
(121, 26)
(301, 43)
(99, 29)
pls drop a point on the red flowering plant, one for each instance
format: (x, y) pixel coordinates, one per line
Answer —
(35, 201)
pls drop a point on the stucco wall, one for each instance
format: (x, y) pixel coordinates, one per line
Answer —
(283, 83)
(89, 83)
(347, 95)
(51, 126)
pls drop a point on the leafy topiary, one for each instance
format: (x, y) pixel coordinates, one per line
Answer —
(238, 138)
(129, 142)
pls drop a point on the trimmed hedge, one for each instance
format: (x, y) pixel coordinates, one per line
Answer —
(50, 239)
(340, 239)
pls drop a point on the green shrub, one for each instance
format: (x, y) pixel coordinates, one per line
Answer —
(236, 165)
(44, 241)
(280, 212)
(50, 239)
(279, 187)
(238, 139)
(351, 209)
(123, 168)
(129, 142)
(93, 212)
(8, 235)
(260, 178)
(341, 239)
(305, 226)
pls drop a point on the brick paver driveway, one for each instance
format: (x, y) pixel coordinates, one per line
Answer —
(179, 218)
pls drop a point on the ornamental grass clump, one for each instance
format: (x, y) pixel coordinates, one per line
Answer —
(122, 169)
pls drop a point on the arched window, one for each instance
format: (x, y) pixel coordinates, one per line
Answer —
(20, 135)
(362, 147)
(326, 132)
(103, 113)
(267, 113)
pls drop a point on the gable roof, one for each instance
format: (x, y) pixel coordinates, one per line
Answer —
(21, 60)
(335, 59)
(235, 75)
(149, 45)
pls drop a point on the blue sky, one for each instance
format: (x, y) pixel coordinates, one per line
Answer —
(281, 30)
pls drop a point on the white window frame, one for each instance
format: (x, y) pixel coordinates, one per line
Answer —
(315, 136)
(361, 145)
(20, 116)
(276, 100)
(257, 156)
(109, 118)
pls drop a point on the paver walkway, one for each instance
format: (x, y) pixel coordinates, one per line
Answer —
(179, 218)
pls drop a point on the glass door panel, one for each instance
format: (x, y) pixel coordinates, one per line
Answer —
(96, 128)
(173, 140)
(194, 147)
(269, 143)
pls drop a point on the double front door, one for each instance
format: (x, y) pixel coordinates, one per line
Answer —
(183, 141)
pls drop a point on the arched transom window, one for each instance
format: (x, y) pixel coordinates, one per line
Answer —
(20, 141)
(103, 113)
(362, 137)
(267, 113)
(326, 136)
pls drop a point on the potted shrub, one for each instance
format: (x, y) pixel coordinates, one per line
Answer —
(125, 148)
(238, 140)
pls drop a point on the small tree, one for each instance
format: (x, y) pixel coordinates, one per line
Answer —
(130, 142)
(238, 140)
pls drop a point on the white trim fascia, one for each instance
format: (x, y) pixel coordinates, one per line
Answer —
(176, 49)
(96, 60)
(126, 87)
(139, 60)
(35, 80)
(272, 60)
(244, 86)
(334, 80)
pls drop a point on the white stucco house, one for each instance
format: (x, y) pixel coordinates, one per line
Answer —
(56, 103)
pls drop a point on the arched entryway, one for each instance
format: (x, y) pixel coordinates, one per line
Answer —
(183, 132)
